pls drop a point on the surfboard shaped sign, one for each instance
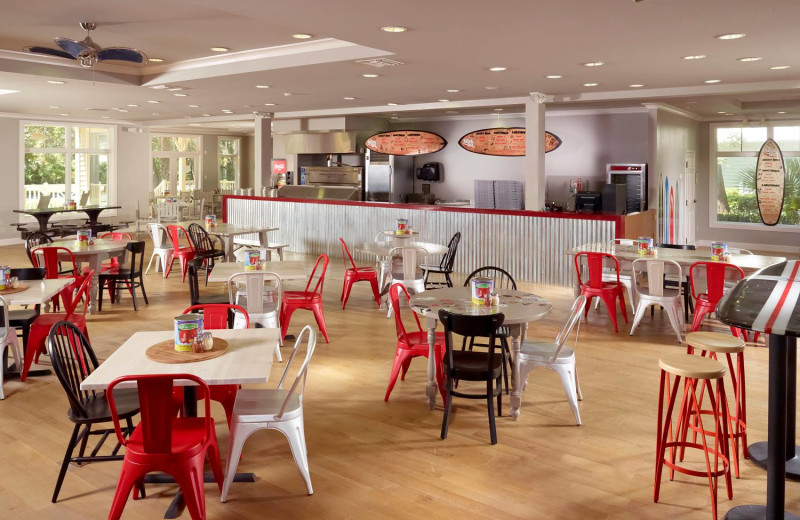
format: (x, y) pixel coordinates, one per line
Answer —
(405, 142)
(504, 142)
(770, 182)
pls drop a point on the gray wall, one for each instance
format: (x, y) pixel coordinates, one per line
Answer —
(9, 175)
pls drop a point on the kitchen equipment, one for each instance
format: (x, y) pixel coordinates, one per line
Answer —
(588, 202)
(614, 198)
(388, 178)
(634, 177)
(430, 172)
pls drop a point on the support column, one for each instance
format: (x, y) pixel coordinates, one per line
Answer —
(263, 152)
(533, 170)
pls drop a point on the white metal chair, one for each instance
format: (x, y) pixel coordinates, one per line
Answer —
(168, 212)
(162, 247)
(264, 310)
(273, 409)
(8, 338)
(141, 218)
(624, 274)
(656, 294)
(557, 357)
(408, 271)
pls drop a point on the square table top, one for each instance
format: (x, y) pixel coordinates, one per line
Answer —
(39, 292)
(286, 270)
(248, 359)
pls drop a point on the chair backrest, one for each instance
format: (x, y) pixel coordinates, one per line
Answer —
(346, 254)
(193, 266)
(199, 238)
(116, 236)
(218, 315)
(71, 304)
(159, 235)
(28, 273)
(174, 232)
(450, 257)
(574, 317)
(157, 409)
(320, 280)
(84, 198)
(412, 257)
(49, 259)
(502, 279)
(656, 269)
(136, 250)
(168, 210)
(73, 360)
(595, 262)
(686, 247)
(716, 273)
(394, 299)
(469, 326)
(4, 323)
(44, 201)
(34, 240)
(256, 297)
(299, 384)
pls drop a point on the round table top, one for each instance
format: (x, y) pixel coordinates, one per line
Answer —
(99, 246)
(517, 306)
(384, 248)
(393, 234)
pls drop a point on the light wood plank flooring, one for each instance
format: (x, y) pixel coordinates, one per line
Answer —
(371, 459)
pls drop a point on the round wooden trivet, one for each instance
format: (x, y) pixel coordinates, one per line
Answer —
(22, 287)
(164, 352)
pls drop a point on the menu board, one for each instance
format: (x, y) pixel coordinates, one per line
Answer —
(405, 142)
(770, 182)
(506, 142)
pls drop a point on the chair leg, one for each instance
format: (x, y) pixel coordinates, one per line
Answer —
(144, 293)
(400, 356)
(295, 433)
(449, 281)
(566, 372)
(348, 285)
(238, 436)
(406, 365)
(637, 317)
(65, 463)
(320, 317)
(127, 479)
(448, 403)
(578, 385)
(133, 296)
(490, 406)
(673, 313)
(375, 290)
(154, 255)
(191, 484)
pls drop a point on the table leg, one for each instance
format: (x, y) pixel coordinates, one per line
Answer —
(43, 219)
(229, 257)
(432, 388)
(94, 265)
(385, 268)
(517, 335)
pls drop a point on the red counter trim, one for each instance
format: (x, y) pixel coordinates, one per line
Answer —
(618, 220)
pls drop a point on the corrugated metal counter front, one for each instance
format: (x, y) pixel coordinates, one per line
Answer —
(528, 244)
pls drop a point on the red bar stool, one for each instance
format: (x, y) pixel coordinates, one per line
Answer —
(711, 344)
(695, 370)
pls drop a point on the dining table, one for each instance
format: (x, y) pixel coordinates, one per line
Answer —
(286, 270)
(518, 308)
(247, 360)
(227, 232)
(42, 216)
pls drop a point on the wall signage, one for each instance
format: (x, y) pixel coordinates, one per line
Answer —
(278, 166)
(405, 142)
(770, 182)
(505, 142)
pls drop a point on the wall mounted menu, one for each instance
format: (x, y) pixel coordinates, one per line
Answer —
(405, 142)
(770, 182)
(506, 142)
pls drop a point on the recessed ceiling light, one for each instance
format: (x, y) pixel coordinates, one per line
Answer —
(498, 109)
(728, 114)
(55, 82)
(779, 67)
(132, 105)
(370, 75)
(220, 49)
(498, 69)
(63, 114)
(491, 88)
(269, 104)
(712, 81)
(174, 89)
(782, 112)
(444, 101)
(181, 95)
(721, 112)
(287, 93)
(105, 117)
(194, 106)
(394, 29)
(636, 85)
(156, 114)
(694, 57)
(206, 115)
(155, 60)
(730, 36)
(262, 86)
(302, 36)
(452, 90)
(159, 87)
(392, 104)
(750, 58)
(593, 64)
(452, 112)
(348, 98)
(554, 76)
(590, 84)
(122, 110)
(153, 101)
(54, 106)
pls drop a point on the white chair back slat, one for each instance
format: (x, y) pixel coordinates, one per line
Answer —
(299, 384)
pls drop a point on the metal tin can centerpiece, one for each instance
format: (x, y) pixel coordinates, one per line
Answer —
(402, 226)
(252, 261)
(187, 328)
(482, 289)
(211, 220)
(5, 274)
(719, 250)
(82, 236)
(645, 245)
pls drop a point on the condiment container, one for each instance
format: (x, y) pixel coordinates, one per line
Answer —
(482, 288)
(187, 328)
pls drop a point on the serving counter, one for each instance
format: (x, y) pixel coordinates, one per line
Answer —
(528, 244)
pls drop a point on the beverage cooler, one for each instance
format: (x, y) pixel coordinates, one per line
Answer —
(634, 177)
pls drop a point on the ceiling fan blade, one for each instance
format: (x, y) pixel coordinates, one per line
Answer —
(122, 54)
(49, 52)
(71, 46)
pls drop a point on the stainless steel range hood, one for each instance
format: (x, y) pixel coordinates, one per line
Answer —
(325, 142)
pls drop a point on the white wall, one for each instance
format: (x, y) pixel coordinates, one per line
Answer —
(9, 176)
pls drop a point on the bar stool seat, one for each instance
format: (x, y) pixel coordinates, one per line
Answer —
(715, 342)
(693, 367)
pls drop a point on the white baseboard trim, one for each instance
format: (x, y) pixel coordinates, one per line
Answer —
(758, 247)
(11, 241)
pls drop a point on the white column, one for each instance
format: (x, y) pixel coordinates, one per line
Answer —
(263, 152)
(533, 170)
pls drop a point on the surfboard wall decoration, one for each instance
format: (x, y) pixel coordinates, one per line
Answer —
(405, 142)
(504, 142)
(770, 182)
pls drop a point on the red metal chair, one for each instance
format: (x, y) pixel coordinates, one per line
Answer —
(309, 300)
(181, 253)
(41, 326)
(114, 260)
(49, 259)
(608, 291)
(216, 316)
(357, 274)
(412, 344)
(163, 442)
(717, 273)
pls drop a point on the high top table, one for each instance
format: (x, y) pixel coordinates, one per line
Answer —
(43, 215)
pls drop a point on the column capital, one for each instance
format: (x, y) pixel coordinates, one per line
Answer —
(539, 97)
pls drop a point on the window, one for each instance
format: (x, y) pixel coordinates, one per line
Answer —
(67, 162)
(734, 153)
(228, 163)
(176, 160)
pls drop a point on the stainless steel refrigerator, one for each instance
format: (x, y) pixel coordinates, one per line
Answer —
(388, 178)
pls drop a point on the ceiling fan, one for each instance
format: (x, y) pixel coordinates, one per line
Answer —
(87, 52)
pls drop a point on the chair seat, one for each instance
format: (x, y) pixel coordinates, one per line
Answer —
(117, 272)
(544, 351)
(435, 269)
(183, 251)
(187, 438)
(296, 297)
(48, 320)
(258, 405)
(473, 366)
(667, 293)
(126, 400)
(359, 270)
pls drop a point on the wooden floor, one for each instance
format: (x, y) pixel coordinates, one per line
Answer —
(371, 459)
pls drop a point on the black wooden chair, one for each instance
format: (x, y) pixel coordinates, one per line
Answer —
(445, 267)
(502, 280)
(193, 267)
(130, 278)
(204, 247)
(34, 240)
(688, 304)
(73, 360)
(23, 318)
(472, 366)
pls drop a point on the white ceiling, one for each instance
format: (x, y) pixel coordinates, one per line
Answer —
(450, 45)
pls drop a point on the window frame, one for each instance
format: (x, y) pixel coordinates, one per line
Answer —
(713, 154)
(237, 156)
(69, 151)
(175, 155)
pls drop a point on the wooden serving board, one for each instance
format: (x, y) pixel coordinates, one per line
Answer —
(22, 287)
(164, 352)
